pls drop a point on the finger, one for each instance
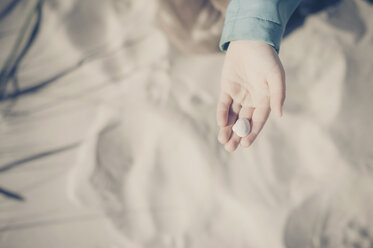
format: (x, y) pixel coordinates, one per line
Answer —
(233, 113)
(237, 92)
(232, 143)
(225, 134)
(260, 116)
(246, 113)
(247, 101)
(276, 86)
(224, 105)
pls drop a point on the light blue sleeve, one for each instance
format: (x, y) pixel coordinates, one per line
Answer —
(262, 20)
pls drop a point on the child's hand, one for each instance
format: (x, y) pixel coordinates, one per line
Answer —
(252, 83)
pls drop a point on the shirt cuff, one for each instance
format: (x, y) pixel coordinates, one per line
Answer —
(251, 28)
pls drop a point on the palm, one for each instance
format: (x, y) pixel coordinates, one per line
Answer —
(252, 84)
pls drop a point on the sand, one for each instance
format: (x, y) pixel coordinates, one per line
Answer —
(122, 150)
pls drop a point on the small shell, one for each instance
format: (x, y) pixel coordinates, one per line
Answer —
(241, 127)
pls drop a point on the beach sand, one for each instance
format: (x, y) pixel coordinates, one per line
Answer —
(120, 149)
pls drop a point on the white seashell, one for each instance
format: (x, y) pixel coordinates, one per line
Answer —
(241, 127)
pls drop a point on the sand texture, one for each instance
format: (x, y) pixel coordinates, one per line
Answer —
(108, 136)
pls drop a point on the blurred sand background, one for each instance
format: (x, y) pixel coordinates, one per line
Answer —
(108, 134)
